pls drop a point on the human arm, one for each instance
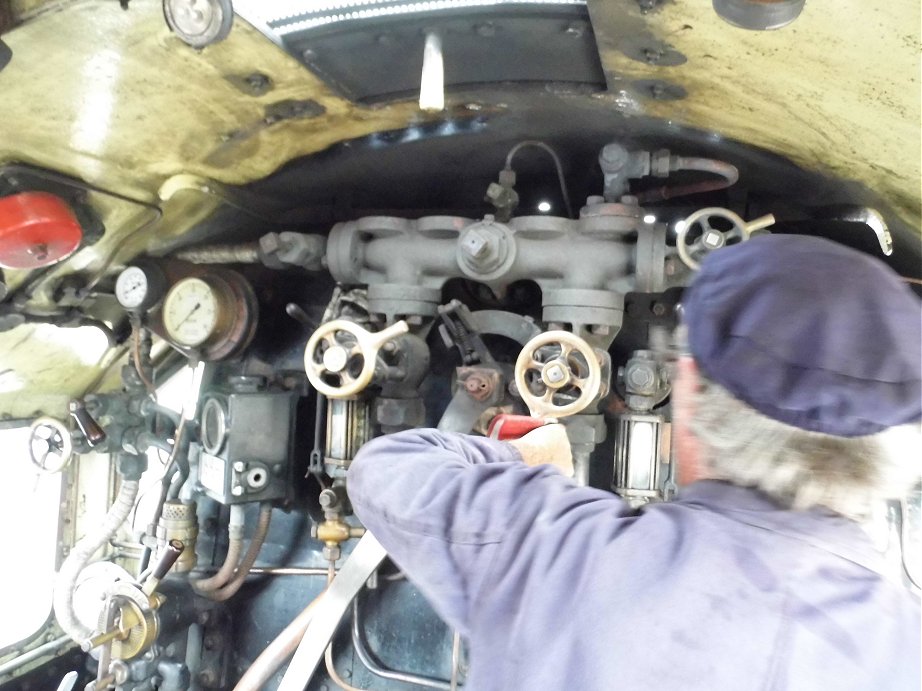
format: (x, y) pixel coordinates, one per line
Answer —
(453, 510)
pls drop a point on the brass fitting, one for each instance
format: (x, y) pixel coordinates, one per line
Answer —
(336, 531)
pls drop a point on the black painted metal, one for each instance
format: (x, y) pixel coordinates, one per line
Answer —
(381, 59)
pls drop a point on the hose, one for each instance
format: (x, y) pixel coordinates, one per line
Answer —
(66, 581)
(230, 589)
(234, 550)
(728, 172)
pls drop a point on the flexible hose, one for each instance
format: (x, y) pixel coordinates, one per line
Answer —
(728, 172)
(279, 650)
(230, 589)
(66, 581)
(234, 550)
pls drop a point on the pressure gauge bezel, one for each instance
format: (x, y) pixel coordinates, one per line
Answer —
(194, 325)
(153, 286)
(233, 326)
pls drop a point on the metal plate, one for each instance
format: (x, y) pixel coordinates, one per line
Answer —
(382, 59)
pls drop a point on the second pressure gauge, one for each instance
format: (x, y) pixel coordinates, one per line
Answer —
(214, 313)
(139, 287)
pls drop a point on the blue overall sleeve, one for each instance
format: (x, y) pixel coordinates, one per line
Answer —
(464, 517)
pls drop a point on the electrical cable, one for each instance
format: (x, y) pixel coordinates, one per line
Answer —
(560, 176)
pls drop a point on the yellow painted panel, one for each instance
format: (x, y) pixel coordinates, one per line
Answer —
(836, 91)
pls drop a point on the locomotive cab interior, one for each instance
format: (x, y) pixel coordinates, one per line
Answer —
(238, 241)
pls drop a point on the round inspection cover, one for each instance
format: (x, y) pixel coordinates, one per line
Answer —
(36, 229)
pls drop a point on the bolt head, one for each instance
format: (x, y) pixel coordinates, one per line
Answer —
(555, 373)
(713, 239)
(475, 245)
(335, 358)
(237, 490)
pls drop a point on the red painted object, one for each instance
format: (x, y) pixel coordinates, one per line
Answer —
(505, 427)
(36, 229)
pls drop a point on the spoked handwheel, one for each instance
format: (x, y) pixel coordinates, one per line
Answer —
(50, 445)
(340, 356)
(557, 374)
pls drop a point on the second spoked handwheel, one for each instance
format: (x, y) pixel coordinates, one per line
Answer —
(557, 374)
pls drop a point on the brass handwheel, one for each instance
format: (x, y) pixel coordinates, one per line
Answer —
(334, 351)
(557, 365)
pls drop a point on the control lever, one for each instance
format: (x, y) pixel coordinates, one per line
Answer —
(173, 551)
(458, 330)
(92, 430)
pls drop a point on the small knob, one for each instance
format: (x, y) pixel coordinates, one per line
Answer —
(91, 430)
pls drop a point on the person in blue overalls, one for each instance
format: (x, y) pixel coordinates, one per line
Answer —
(802, 356)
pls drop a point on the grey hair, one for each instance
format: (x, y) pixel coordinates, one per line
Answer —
(799, 469)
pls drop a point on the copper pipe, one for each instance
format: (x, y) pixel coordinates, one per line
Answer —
(234, 550)
(223, 575)
(728, 172)
(227, 591)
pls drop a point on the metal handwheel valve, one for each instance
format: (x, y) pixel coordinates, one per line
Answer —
(557, 364)
(333, 351)
(50, 445)
(713, 238)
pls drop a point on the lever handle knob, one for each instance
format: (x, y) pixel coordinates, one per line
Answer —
(92, 431)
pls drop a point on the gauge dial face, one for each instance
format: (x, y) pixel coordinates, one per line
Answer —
(132, 288)
(191, 312)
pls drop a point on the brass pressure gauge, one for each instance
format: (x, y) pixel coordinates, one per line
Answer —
(214, 313)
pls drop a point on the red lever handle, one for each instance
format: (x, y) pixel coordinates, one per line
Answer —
(505, 427)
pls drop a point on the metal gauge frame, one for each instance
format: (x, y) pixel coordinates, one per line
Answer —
(155, 286)
(238, 314)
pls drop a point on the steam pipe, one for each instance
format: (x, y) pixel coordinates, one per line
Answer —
(361, 651)
(81, 554)
(728, 172)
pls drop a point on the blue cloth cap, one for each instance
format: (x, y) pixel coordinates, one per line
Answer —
(810, 333)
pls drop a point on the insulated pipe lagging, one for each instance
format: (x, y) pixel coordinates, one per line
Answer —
(234, 550)
(66, 580)
(230, 589)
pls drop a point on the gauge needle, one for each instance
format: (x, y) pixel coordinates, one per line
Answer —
(186, 318)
